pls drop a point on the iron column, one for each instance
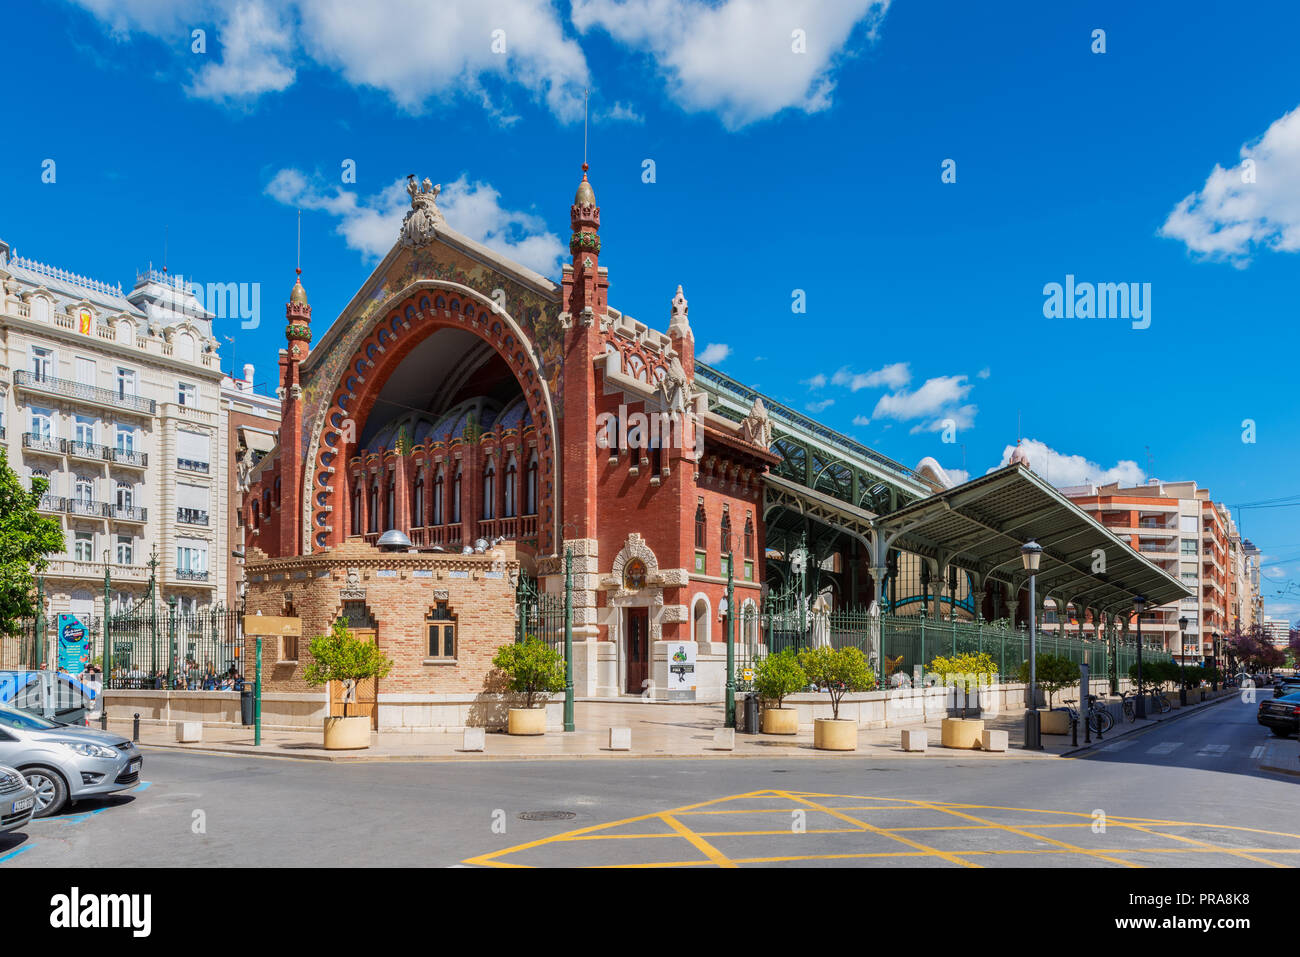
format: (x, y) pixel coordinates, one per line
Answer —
(568, 639)
(1140, 707)
(731, 645)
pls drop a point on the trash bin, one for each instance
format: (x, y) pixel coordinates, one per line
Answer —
(751, 713)
(246, 705)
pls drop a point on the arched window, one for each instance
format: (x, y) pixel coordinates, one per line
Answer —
(277, 491)
(84, 490)
(390, 502)
(726, 531)
(356, 508)
(700, 531)
(749, 536)
(512, 478)
(455, 496)
(372, 511)
(266, 503)
(125, 495)
(417, 501)
(489, 490)
(701, 625)
(530, 500)
(439, 490)
(256, 520)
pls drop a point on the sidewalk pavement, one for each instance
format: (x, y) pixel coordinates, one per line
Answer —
(658, 731)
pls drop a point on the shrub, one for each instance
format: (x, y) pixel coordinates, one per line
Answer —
(341, 656)
(779, 675)
(532, 668)
(1054, 672)
(839, 671)
(964, 668)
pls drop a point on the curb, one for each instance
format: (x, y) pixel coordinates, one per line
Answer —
(1274, 754)
(1154, 723)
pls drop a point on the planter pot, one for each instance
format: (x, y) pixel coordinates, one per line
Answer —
(347, 734)
(1174, 701)
(960, 732)
(835, 734)
(781, 721)
(1194, 696)
(1053, 722)
(527, 721)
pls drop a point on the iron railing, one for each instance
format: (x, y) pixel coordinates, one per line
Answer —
(192, 465)
(539, 615)
(130, 457)
(79, 390)
(35, 442)
(192, 516)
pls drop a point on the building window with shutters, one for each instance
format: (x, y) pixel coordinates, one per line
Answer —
(441, 626)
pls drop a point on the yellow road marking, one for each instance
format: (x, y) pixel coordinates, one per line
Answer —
(703, 846)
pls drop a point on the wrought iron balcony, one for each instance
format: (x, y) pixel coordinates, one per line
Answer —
(81, 506)
(85, 450)
(191, 516)
(126, 513)
(42, 443)
(186, 575)
(192, 465)
(79, 390)
(50, 503)
(129, 457)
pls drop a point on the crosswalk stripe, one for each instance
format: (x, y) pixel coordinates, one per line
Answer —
(1118, 745)
(1165, 747)
(1258, 752)
(1213, 750)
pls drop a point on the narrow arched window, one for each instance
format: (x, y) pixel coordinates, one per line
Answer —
(439, 490)
(749, 536)
(531, 486)
(356, 508)
(372, 511)
(390, 502)
(256, 520)
(455, 495)
(512, 478)
(417, 501)
(726, 531)
(700, 531)
(489, 490)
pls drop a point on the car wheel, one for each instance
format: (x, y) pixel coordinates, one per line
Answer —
(1281, 732)
(51, 790)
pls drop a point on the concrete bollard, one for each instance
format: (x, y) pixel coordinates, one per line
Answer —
(475, 739)
(724, 739)
(915, 739)
(993, 741)
(189, 732)
(620, 739)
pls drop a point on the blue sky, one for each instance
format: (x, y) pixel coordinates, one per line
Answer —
(774, 171)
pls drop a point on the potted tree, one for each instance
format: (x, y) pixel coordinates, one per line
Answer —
(1054, 673)
(777, 676)
(837, 672)
(536, 670)
(965, 671)
(341, 656)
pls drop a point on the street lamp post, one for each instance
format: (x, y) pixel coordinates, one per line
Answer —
(731, 647)
(1031, 554)
(1215, 683)
(1140, 708)
(1182, 660)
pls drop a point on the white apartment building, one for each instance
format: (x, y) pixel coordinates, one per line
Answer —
(1278, 630)
(252, 425)
(115, 399)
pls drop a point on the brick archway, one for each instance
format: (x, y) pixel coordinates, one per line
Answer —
(409, 318)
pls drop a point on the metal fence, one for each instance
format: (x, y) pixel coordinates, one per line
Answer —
(909, 643)
(539, 615)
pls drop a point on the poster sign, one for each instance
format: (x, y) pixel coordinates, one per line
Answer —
(84, 320)
(681, 671)
(74, 648)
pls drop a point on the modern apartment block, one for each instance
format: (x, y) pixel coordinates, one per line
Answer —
(1278, 630)
(1180, 528)
(252, 427)
(115, 399)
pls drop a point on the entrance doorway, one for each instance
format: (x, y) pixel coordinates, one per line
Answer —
(367, 703)
(638, 649)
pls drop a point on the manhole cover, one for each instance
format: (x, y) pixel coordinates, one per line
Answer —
(547, 816)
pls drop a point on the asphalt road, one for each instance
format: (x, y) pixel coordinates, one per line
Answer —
(1184, 793)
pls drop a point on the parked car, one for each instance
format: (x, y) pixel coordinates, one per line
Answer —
(66, 763)
(53, 695)
(17, 800)
(1280, 715)
(1285, 686)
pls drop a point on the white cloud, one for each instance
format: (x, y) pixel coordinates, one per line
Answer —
(1061, 469)
(984, 373)
(256, 45)
(370, 225)
(1229, 217)
(737, 57)
(714, 353)
(816, 382)
(893, 376)
(620, 112)
(820, 406)
(410, 50)
(861, 420)
(958, 476)
(936, 401)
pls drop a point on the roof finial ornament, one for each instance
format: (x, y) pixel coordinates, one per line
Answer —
(423, 218)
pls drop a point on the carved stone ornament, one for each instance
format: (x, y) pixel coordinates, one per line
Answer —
(352, 589)
(634, 551)
(673, 385)
(423, 218)
(756, 427)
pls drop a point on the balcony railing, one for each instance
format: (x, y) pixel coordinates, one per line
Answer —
(191, 516)
(82, 506)
(50, 503)
(192, 465)
(79, 390)
(126, 513)
(85, 450)
(72, 568)
(186, 575)
(42, 443)
(129, 457)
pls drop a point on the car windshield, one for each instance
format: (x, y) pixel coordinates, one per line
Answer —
(22, 721)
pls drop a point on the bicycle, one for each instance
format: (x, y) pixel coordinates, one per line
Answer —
(1160, 701)
(1100, 720)
(1127, 700)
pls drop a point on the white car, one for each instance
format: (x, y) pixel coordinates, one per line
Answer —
(17, 800)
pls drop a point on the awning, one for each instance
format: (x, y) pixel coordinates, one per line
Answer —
(981, 525)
